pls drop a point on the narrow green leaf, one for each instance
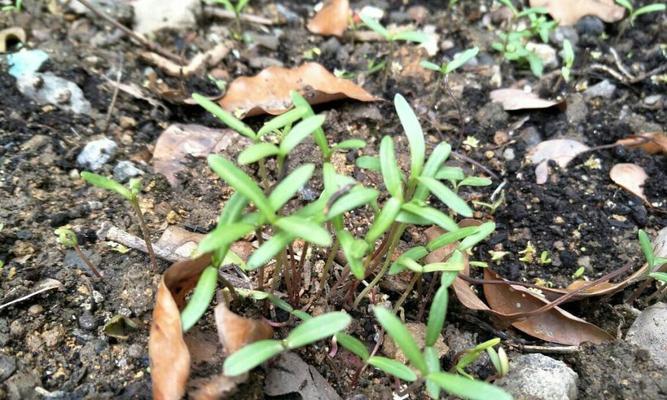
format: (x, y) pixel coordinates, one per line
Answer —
(233, 208)
(353, 252)
(282, 120)
(319, 137)
(251, 356)
(475, 181)
(451, 237)
(375, 25)
(460, 59)
(226, 117)
(483, 231)
(256, 152)
(393, 367)
(450, 174)
(436, 316)
(433, 363)
(651, 8)
(413, 131)
(447, 196)
(201, 298)
(429, 65)
(317, 328)
(305, 229)
(356, 198)
(384, 219)
(289, 186)
(103, 182)
(350, 144)
(448, 278)
(411, 264)
(223, 235)
(495, 359)
(353, 345)
(437, 217)
(435, 160)
(627, 4)
(467, 388)
(661, 276)
(299, 132)
(647, 248)
(391, 174)
(238, 179)
(269, 249)
(411, 36)
(405, 217)
(369, 163)
(401, 336)
(454, 263)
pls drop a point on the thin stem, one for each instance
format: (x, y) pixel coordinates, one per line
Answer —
(86, 261)
(144, 232)
(276, 273)
(295, 277)
(263, 174)
(327, 265)
(462, 122)
(304, 254)
(429, 293)
(260, 275)
(387, 261)
(408, 290)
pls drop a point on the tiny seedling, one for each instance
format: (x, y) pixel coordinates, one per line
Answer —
(528, 253)
(579, 273)
(545, 258)
(568, 60)
(236, 8)
(67, 238)
(15, 7)
(129, 193)
(647, 9)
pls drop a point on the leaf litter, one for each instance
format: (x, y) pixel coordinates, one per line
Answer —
(332, 19)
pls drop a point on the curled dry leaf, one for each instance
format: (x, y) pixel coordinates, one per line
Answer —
(235, 331)
(562, 151)
(568, 12)
(269, 91)
(630, 177)
(332, 19)
(517, 99)
(650, 142)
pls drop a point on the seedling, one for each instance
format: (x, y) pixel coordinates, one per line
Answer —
(67, 238)
(654, 262)
(528, 253)
(129, 193)
(568, 60)
(545, 258)
(236, 8)
(647, 9)
(579, 273)
(447, 68)
(15, 7)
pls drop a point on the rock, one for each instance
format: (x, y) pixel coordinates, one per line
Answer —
(153, 15)
(538, 377)
(561, 33)
(418, 13)
(270, 42)
(96, 153)
(585, 261)
(576, 109)
(654, 102)
(492, 115)
(637, 122)
(508, 154)
(119, 10)
(47, 88)
(530, 136)
(459, 341)
(649, 331)
(590, 25)
(35, 309)
(290, 374)
(264, 62)
(87, 321)
(125, 170)
(7, 367)
(399, 17)
(604, 89)
(545, 53)
(22, 386)
(331, 46)
(418, 332)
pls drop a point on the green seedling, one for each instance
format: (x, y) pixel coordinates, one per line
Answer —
(647, 9)
(471, 355)
(492, 207)
(129, 193)
(15, 7)
(499, 360)
(579, 273)
(528, 253)
(235, 8)
(67, 238)
(568, 60)
(545, 258)
(655, 268)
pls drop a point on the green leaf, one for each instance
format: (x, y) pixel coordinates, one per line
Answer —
(451, 237)
(447, 196)
(256, 152)
(317, 328)
(401, 336)
(439, 156)
(319, 137)
(226, 117)
(433, 363)
(299, 132)
(384, 219)
(536, 65)
(305, 229)
(411, 36)
(223, 235)
(661, 276)
(651, 8)
(405, 217)
(269, 249)
(627, 4)
(356, 198)
(201, 298)
(647, 248)
(250, 356)
(454, 263)
(436, 316)
(460, 59)
(411, 264)
(475, 181)
(66, 237)
(103, 182)
(435, 216)
(353, 345)
(568, 53)
(238, 179)
(482, 232)
(391, 174)
(467, 388)
(354, 251)
(429, 65)
(413, 131)
(375, 25)
(350, 144)
(369, 163)
(448, 278)
(289, 186)
(450, 174)
(282, 120)
(393, 367)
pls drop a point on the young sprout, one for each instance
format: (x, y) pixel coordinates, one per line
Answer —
(499, 360)
(18, 4)
(129, 193)
(568, 60)
(579, 273)
(647, 9)
(236, 9)
(67, 238)
(528, 253)
(545, 258)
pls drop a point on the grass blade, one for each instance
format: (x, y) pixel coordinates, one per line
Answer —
(393, 367)
(386, 217)
(375, 25)
(460, 59)
(447, 196)
(251, 356)
(391, 174)
(317, 328)
(226, 117)
(282, 121)
(256, 152)
(289, 186)
(401, 336)
(467, 388)
(353, 345)
(436, 217)
(269, 249)
(103, 182)
(300, 131)
(355, 199)
(413, 131)
(305, 229)
(201, 298)
(436, 316)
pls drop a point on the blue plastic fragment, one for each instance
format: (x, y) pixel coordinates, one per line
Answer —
(26, 62)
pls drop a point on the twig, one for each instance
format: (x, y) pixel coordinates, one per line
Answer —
(620, 66)
(86, 261)
(475, 163)
(546, 349)
(218, 12)
(114, 96)
(462, 121)
(44, 286)
(615, 74)
(139, 38)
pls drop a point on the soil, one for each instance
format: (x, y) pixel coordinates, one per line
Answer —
(580, 217)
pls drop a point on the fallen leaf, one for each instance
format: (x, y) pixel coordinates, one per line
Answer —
(568, 12)
(650, 142)
(290, 374)
(180, 141)
(269, 91)
(517, 99)
(562, 151)
(332, 19)
(179, 241)
(235, 331)
(630, 177)
(215, 387)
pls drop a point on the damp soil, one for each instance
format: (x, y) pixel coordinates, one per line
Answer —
(579, 218)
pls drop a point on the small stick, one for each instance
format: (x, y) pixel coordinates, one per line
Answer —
(115, 96)
(619, 64)
(144, 232)
(473, 162)
(88, 263)
(462, 121)
(546, 349)
(218, 12)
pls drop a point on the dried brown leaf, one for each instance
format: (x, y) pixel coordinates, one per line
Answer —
(332, 19)
(517, 99)
(568, 12)
(562, 151)
(235, 331)
(269, 91)
(650, 142)
(630, 177)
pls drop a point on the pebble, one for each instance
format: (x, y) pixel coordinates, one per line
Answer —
(561, 33)
(530, 136)
(87, 321)
(35, 309)
(585, 261)
(538, 377)
(654, 101)
(7, 367)
(96, 153)
(649, 331)
(576, 109)
(125, 170)
(590, 25)
(47, 88)
(492, 115)
(16, 329)
(331, 46)
(604, 89)
(270, 42)
(153, 15)
(545, 52)
(508, 154)
(135, 351)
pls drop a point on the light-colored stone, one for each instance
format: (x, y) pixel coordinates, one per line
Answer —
(96, 153)
(47, 88)
(538, 377)
(545, 52)
(418, 332)
(649, 331)
(604, 89)
(153, 15)
(125, 170)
